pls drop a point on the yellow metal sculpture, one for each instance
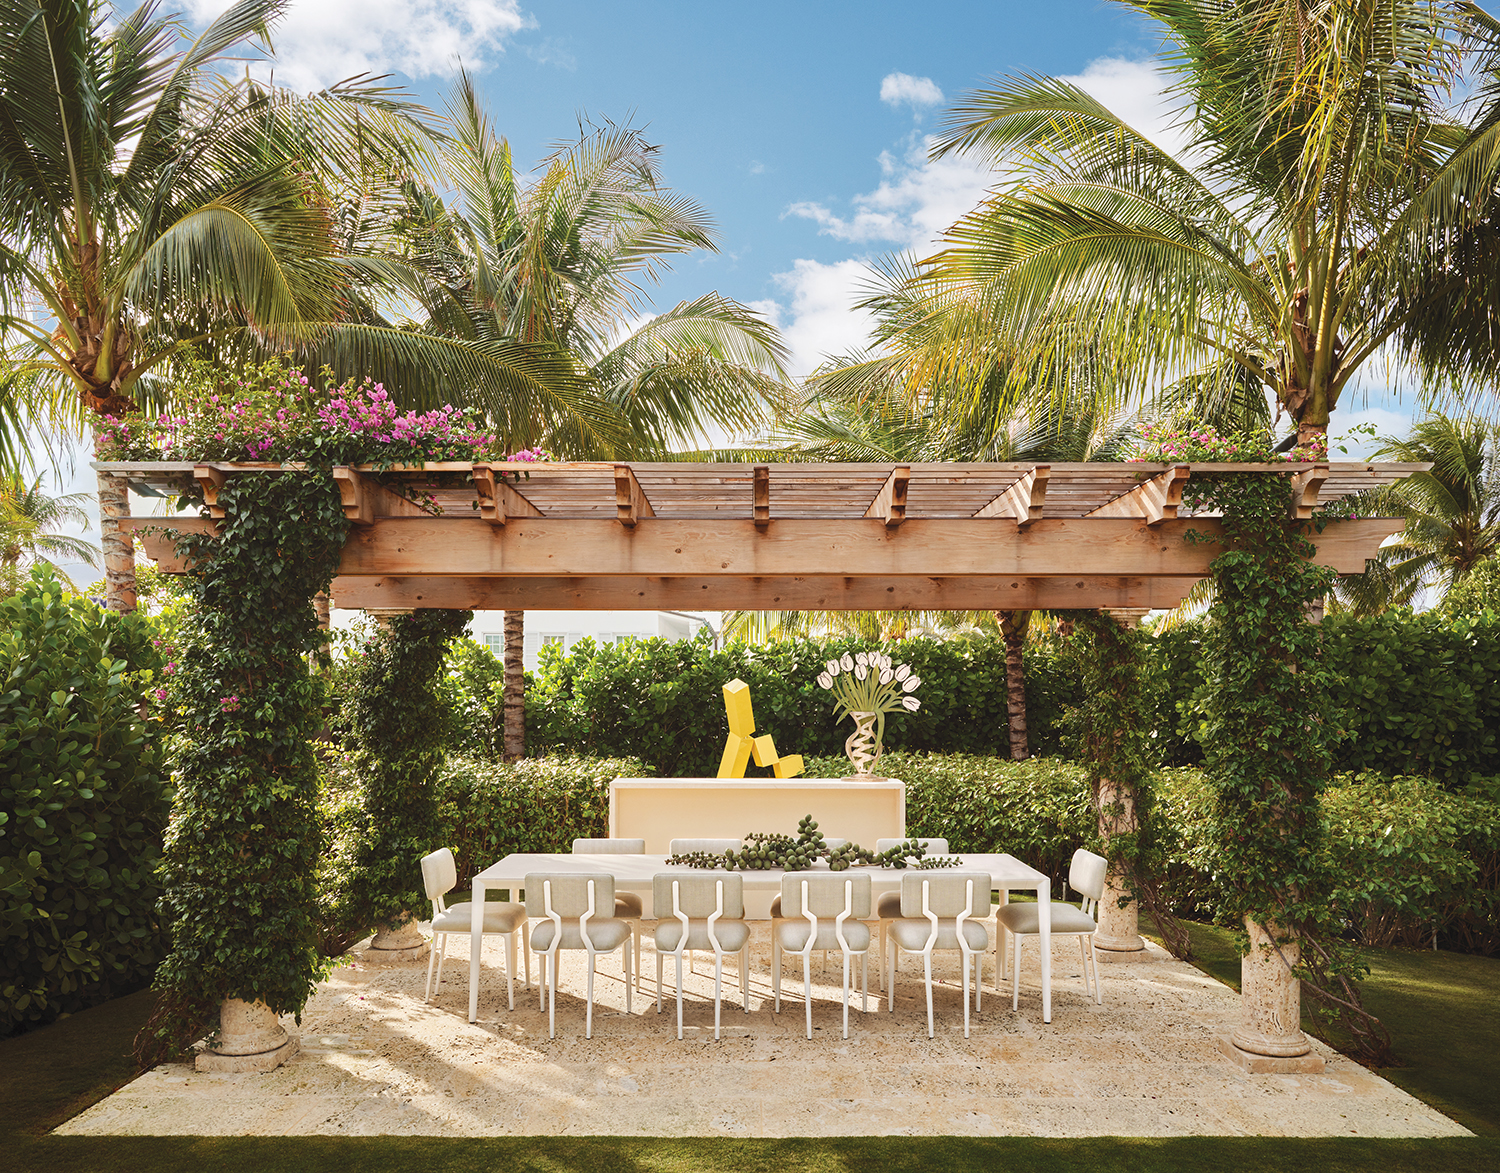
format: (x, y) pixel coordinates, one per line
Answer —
(742, 745)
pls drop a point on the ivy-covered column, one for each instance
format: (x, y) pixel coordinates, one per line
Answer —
(1109, 734)
(238, 891)
(396, 720)
(1267, 755)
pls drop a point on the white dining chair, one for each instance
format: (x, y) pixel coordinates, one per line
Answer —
(628, 905)
(888, 904)
(1086, 877)
(439, 877)
(823, 910)
(942, 910)
(565, 907)
(698, 911)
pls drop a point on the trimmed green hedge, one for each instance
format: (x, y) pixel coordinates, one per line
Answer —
(662, 702)
(83, 804)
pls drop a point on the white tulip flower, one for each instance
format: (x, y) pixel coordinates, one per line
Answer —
(860, 672)
(903, 672)
(825, 680)
(886, 676)
(862, 659)
(848, 662)
(912, 683)
(833, 667)
(911, 704)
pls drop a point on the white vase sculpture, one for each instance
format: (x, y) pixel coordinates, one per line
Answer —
(861, 745)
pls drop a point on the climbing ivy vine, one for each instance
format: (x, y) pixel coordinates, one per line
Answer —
(1109, 735)
(238, 887)
(1268, 736)
(396, 714)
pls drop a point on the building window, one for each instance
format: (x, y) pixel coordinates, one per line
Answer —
(552, 641)
(496, 645)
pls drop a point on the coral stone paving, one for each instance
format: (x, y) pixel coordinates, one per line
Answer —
(376, 1059)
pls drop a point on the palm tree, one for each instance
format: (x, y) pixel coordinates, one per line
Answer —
(562, 261)
(150, 204)
(31, 519)
(1452, 513)
(1309, 221)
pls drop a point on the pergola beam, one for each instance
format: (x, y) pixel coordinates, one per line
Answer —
(1153, 501)
(800, 593)
(890, 503)
(631, 501)
(840, 546)
(1024, 501)
(760, 499)
(1306, 486)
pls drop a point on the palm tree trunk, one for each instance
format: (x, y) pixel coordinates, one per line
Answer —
(1013, 625)
(117, 542)
(514, 693)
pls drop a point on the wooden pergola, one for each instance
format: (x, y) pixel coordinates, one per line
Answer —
(682, 536)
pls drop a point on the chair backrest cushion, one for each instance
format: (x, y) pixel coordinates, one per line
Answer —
(826, 894)
(712, 846)
(570, 893)
(697, 894)
(609, 847)
(439, 873)
(934, 846)
(946, 893)
(1086, 874)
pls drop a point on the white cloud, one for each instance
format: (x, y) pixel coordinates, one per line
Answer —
(1133, 90)
(323, 41)
(916, 201)
(553, 51)
(916, 92)
(821, 320)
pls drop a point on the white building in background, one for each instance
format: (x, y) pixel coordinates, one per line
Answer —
(566, 628)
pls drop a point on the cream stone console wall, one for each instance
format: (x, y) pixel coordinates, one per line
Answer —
(659, 810)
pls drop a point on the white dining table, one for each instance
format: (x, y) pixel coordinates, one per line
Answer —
(635, 873)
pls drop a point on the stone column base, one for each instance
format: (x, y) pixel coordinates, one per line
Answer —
(392, 946)
(212, 1061)
(250, 1039)
(1121, 956)
(1252, 1064)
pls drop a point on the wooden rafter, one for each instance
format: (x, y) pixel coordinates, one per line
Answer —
(760, 501)
(630, 499)
(1153, 501)
(497, 500)
(890, 503)
(1024, 501)
(211, 480)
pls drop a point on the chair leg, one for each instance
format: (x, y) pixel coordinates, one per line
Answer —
(1094, 962)
(846, 991)
(635, 933)
(718, 989)
(588, 1010)
(658, 980)
(927, 973)
(431, 961)
(679, 990)
(526, 946)
(1015, 981)
(631, 977)
(549, 981)
(967, 968)
(807, 987)
(979, 980)
(510, 969)
(745, 975)
(776, 968)
(880, 977)
(890, 982)
(864, 982)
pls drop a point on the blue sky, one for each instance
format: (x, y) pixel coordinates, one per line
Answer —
(801, 127)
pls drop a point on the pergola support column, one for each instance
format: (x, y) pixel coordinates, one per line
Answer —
(251, 1040)
(1119, 938)
(1269, 1039)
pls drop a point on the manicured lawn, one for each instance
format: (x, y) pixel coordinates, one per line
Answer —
(49, 1075)
(1443, 1012)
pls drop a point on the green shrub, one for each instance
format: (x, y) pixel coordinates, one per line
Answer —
(83, 802)
(662, 702)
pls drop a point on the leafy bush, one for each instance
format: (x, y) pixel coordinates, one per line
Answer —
(472, 693)
(662, 702)
(83, 802)
(483, 810)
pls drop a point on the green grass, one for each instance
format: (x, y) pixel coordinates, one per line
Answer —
(1433, 1003)
(1443, 1012)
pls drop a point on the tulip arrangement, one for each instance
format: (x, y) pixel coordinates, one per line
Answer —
(866, 687)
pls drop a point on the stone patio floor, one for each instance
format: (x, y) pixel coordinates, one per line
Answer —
(376, 1059)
